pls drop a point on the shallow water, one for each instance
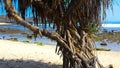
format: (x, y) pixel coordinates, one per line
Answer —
(114, 46)
(21, 37)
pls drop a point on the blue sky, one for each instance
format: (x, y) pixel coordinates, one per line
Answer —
(115, 15)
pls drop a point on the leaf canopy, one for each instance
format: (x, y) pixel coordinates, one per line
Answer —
(64, 13)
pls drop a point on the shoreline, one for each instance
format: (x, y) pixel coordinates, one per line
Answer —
(15, 53)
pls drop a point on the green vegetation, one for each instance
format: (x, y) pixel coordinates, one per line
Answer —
(13, 39)
(102, 49)
(38, 43)
(93, 28)
(26, 41)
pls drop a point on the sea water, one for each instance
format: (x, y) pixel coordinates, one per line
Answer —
(110, 27)
(114, 46)
(20, 37)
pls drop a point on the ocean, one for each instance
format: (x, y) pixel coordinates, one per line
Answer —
(114, 46)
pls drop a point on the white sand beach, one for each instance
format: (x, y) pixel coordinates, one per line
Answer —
(25, 55)
(4, 23)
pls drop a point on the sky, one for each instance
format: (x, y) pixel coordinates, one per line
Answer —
(111, 16)
(114, 15)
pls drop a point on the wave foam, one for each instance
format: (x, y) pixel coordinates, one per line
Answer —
(110, 25)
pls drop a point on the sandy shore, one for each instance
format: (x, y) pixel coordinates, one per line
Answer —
(4, 23)
(25, 55)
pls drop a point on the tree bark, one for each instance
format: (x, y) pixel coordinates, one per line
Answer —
(82, 52)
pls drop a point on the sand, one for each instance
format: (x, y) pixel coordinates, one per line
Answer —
(25, 55)
(109, 57)
(4, 23)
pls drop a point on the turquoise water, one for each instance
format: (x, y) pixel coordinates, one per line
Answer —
(113, 46)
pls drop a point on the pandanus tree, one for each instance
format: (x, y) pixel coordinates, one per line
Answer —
(72, 21)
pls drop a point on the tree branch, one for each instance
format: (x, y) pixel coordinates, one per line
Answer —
(13, 14)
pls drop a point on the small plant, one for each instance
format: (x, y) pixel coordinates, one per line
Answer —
(38, 43)
(93, 28)
(102, 49)
(25, 41)
(13, 39)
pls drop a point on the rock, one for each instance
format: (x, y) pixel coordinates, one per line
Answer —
(103, 44)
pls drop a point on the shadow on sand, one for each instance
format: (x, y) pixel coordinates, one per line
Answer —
(26, 64)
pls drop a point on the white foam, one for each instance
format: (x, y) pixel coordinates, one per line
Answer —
(110, 25)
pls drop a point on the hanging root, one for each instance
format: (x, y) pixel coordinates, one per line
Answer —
(81, 54)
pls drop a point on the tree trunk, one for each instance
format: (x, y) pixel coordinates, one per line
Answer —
(81, 50)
